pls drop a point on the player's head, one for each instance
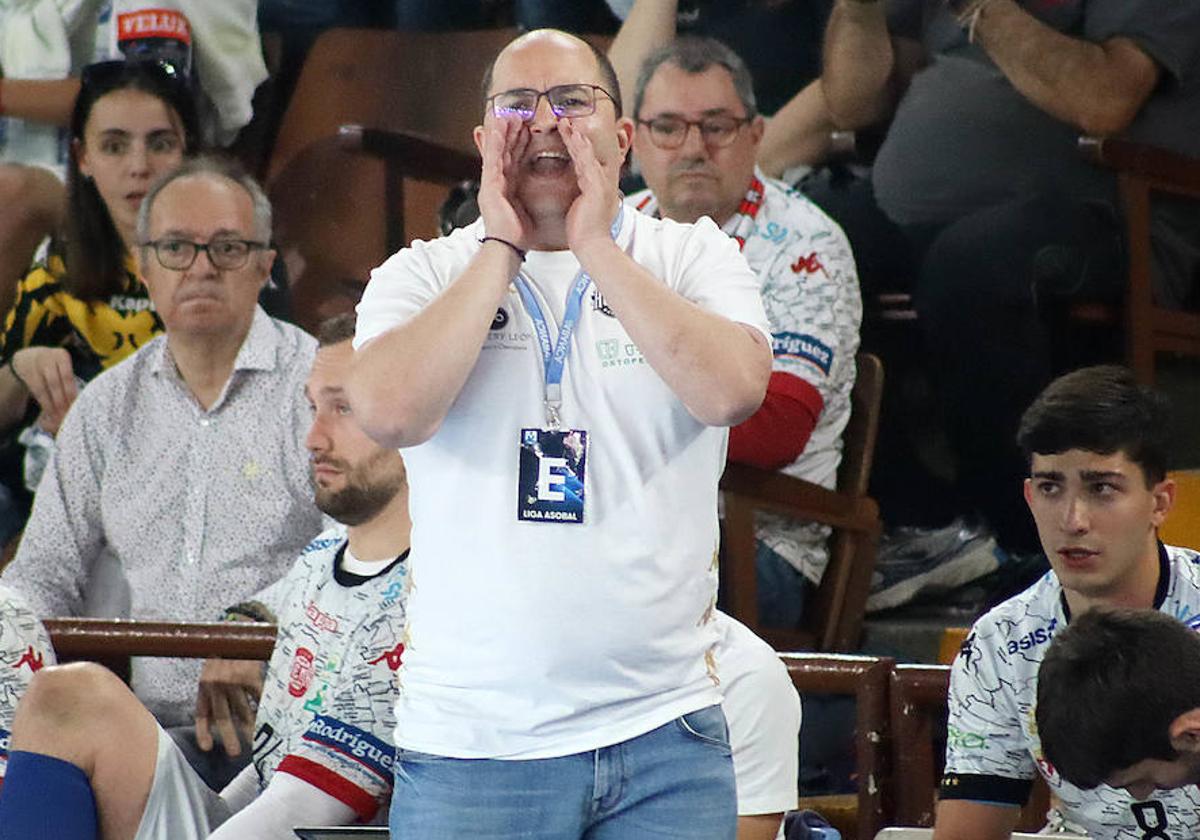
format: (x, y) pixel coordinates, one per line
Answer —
(355, 478)
(1096, 442)
(1100, 409)
(1118, 701)
(701, 84)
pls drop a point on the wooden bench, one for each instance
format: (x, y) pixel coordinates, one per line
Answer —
(864, 678)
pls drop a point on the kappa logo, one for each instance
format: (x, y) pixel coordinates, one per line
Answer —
(393, 657)
(809, 265)
(31, 658)
(320, 620)
(500, 321)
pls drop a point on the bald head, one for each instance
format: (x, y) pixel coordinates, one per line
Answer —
(555, 40)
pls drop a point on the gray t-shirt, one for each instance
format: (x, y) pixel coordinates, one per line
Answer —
(964, 138)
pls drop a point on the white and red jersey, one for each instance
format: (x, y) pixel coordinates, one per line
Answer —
(327, 710)
(809, 286)
(24, 650)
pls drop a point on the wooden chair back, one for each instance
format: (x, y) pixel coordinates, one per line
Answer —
(833, 620)
(864, 678)
(1143, 171)
(917, 699)
(341, 207)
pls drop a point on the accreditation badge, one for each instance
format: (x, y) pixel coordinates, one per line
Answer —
(550, 481)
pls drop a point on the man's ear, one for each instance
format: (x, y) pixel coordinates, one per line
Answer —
(478, 135)
(1185, 732)
(1027, 490)
(269, 256)
(756, 128)
(1164, 500)
(625, 129)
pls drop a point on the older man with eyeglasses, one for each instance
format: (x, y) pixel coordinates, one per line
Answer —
(804, 266)
(180, 484)
(566, 368)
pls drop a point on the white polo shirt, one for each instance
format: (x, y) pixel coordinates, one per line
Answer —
(530, 640)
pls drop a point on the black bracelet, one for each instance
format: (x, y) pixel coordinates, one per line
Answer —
(16, 375)
(520, 253)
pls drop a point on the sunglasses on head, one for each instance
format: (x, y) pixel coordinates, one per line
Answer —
(105, 73)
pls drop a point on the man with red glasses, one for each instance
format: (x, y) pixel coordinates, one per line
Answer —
(569, 367)
(804, 267)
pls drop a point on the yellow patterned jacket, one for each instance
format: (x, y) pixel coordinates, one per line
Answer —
(97, 334)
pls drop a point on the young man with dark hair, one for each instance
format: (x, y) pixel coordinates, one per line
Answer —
(1118, 701)
(1096, 445)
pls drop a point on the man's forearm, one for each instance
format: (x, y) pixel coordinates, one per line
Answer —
(799, 133)
(404, 381)
(1098, 88)
(650, 25)
(717, 367)
(46, 101)
(858, 63)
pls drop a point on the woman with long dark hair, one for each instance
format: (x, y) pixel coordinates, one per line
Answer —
(84, 308)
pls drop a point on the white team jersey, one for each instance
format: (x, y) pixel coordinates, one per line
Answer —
(992, 731)
(809, 285)
(24, 650)
(334, 662)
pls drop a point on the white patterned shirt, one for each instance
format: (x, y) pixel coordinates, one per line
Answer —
(810, 291)
(328, 706)
(24, 650)
(993, 751)
(201, 508)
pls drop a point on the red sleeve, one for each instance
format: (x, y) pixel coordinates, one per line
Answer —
(777, 433)
(322, 778)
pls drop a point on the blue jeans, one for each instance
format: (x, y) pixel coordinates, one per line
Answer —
(674, 781)
(782, 589)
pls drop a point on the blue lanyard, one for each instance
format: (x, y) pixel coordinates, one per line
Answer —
(554, 357)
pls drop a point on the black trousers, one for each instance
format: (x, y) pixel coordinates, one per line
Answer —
(993, 290)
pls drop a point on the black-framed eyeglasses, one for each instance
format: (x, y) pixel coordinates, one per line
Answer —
(225, 254)
(565, 101)
(716, 131)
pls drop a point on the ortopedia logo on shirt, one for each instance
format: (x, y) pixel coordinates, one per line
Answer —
(614, 353)
(153, 23)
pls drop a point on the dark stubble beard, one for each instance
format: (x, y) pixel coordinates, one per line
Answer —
(367, 492)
